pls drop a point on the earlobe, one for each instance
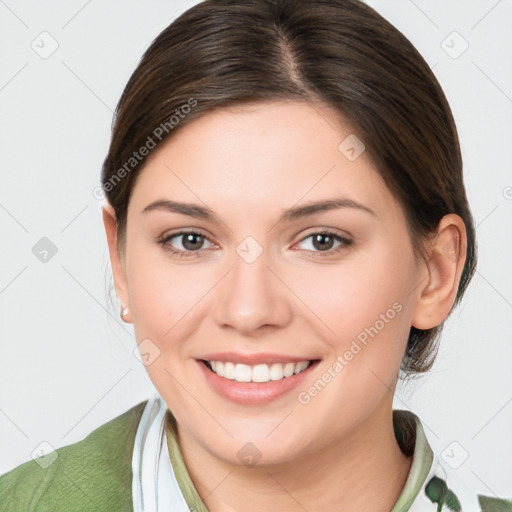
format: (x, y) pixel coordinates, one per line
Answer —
(118, 270)
(445, 263)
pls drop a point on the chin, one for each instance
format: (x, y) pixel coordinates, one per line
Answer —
(260, 449)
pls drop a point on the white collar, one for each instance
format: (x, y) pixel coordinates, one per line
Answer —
(154, 484)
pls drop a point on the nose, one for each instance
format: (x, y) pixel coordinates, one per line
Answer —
(252, 298)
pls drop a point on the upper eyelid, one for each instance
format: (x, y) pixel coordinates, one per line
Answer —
(327, 231)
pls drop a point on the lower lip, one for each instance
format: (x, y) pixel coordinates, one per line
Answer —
(254, 393)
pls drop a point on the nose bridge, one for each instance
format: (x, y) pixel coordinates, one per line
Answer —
(251, 295)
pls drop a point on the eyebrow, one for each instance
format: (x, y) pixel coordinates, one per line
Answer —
(294, 213)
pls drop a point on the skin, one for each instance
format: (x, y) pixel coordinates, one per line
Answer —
(248, 164)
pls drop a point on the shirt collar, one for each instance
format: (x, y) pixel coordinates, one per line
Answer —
(411, 438)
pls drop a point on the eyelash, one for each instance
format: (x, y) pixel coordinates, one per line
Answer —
(163, 241)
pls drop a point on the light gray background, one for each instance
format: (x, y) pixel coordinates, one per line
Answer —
(66, 358)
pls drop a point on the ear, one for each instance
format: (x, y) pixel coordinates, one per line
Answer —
(445, 263)
(117, 262)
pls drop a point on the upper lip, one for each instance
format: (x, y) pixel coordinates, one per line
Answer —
(253, 359)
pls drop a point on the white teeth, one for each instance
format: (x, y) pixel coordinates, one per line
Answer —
(229, 371)
(261, 373)
(276, 371)
(289, 369)
(301, 366)
(257, 373)
(243, 373)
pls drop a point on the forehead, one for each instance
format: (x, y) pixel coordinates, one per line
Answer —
(258, 156)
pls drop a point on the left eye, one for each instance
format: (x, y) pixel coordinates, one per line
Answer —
(323, 241)
(191, 241)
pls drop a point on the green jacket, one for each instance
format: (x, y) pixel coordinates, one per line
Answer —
(95, 474)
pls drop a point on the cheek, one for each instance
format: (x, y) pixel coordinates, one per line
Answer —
(165, 300)
(160, 292)
(356, 295)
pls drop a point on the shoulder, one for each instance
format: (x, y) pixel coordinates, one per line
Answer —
(92, 474)
(489, 504)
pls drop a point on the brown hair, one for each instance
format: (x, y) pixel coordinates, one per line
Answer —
(340, 53)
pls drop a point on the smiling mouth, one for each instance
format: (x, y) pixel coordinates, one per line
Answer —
(259, 373)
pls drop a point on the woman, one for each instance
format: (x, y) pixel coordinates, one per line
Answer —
(288, 230)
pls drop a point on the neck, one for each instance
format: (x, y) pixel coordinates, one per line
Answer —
(365, 470)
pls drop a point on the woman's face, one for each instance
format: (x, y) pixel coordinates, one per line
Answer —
(260, 288)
